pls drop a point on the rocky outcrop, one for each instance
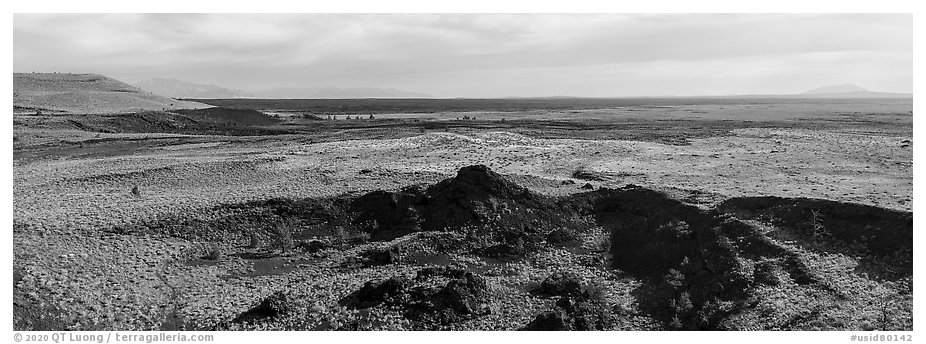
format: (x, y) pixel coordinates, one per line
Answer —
(277, 304)
(436, 296)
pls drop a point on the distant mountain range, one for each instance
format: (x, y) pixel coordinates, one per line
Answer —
(183, 89)
(337, 93)
(843, 91)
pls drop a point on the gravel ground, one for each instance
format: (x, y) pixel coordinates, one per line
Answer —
(64, 208)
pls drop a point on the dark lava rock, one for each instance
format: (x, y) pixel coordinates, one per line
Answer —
(651, 233)
(274, 305)
(686, 260)
(576, 309)
(382, 256)
(555, 320)
(389, 215)
(561, 284)
(366, 171)
(478, 196)
(499, 251)
(312, 246)
(583, 312)
(514, 219)
(465, 295)
(373, 294)
(461, 297)
(886, 234)
(693, 263)
(588, 186)
(562, 236)
(568, 182)
(221, 115)
(471, 196)
(477, 201)
(439, 271)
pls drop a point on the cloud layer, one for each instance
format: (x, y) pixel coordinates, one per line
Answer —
(488, 55)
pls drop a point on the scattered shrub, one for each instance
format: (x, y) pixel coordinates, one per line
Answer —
(562, 235)
(283, 233)
(340, 235)
(214, 252)
(817, 231)
(383, 256)
(561, 284)
(254, 240)
(585, 311)
(767, 272)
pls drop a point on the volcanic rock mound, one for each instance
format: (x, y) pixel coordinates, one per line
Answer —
(698, 267)
(477, 199)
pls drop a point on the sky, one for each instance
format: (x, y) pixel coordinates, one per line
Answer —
(481, 55)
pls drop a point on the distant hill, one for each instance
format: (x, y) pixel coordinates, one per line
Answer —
(843, 88)
(843, 91)
(865, 94)
(85, 94)
(337, 93)
(181, 89)
(849, 91)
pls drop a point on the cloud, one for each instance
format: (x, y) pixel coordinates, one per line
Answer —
(459, 54)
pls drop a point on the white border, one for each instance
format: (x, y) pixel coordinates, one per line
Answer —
(482, 6)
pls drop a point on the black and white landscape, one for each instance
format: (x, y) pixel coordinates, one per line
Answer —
(462, 172)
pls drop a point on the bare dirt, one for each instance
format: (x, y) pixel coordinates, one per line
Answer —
(437, 223)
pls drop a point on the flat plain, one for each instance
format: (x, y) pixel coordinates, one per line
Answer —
(562, 214)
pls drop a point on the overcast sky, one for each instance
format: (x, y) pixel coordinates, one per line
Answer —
(461, 55)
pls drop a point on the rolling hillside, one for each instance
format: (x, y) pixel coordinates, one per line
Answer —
(84, 94)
